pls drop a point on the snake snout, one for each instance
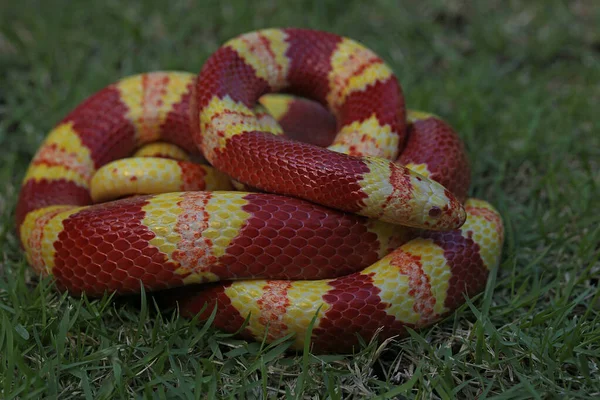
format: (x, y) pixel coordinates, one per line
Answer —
(442, 210)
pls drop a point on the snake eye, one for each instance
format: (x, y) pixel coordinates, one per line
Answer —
(435, 212)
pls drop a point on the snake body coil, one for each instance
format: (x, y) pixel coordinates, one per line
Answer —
(373, 231)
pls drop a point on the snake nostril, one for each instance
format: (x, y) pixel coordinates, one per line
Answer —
(435, 212)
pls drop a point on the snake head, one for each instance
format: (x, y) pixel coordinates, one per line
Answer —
(409, 198)
(442, 210)
(434, 207)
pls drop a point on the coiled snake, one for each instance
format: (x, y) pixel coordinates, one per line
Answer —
(373, 231)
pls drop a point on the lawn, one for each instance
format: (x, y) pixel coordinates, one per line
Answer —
(520, 82)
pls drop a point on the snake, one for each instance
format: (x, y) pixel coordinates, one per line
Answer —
(285, 190)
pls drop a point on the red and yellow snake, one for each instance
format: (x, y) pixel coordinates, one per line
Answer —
(372, 233)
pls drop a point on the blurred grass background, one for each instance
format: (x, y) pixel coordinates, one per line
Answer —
(519, 80)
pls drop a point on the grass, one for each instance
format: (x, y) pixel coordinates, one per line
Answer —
(517, 79)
